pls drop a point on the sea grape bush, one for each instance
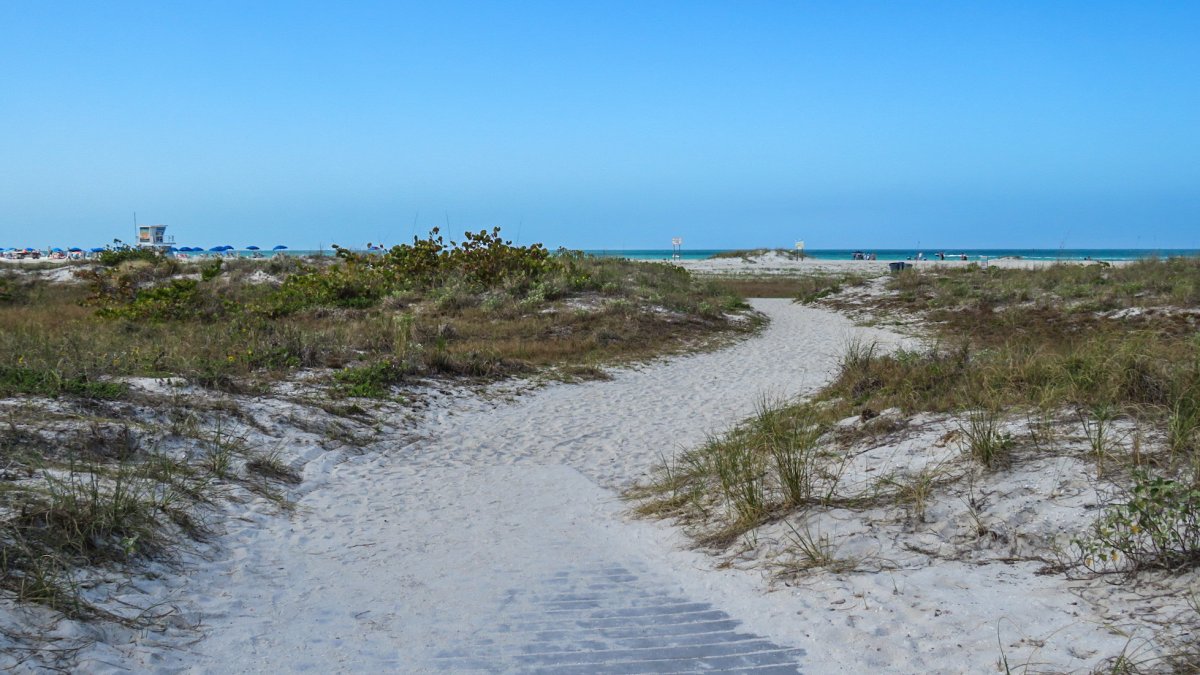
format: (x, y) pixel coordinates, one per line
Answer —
(131, 284)
(113, 257)
(1158, 526)
(483, 270)
(483, 260)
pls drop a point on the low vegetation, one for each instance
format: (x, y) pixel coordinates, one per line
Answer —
(482, 307)
(75, 503)
(1093, 362)
(803, 287)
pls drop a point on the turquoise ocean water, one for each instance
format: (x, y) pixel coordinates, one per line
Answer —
(904, 254)
(887, 254)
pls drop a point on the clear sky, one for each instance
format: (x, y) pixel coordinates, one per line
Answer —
(603, 124)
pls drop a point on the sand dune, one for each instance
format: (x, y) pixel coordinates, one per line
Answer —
(486, 534)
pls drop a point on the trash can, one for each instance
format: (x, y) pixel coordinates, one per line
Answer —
(897, 266)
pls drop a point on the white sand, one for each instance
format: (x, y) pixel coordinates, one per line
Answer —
(775, 264)
(487, 535)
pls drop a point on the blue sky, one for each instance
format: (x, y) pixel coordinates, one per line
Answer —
(603, 125)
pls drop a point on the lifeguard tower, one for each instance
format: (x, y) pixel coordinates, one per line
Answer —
(153, 236)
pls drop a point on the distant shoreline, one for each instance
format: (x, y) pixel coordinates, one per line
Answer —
(1033, 255)
(891, 255)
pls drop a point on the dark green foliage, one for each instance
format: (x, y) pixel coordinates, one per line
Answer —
(1157, 525)
(49, 382)
(115, 256)
(372, 380)
(481, 261)
(177, 299)
(210, 270)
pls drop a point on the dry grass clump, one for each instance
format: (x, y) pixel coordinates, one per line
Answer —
(804, 288)
(768, 465)
(60, 518)
(82, 496)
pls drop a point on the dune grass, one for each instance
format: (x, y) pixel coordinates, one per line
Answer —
(803, 287)
(1106, 344)
(385, 320)
(480, 308)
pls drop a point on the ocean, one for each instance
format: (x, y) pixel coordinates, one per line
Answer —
(885, 254)
(905, 254)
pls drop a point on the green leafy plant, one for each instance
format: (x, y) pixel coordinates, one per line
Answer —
(1156, 526)
(112, 257)
(373, 380)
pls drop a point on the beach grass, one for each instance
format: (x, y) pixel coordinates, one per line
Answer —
(225, 330)
(1108, 347)
(99, 494)
(803, 287)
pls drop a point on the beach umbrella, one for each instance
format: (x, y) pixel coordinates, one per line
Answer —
(75, 249)
(56, 250)
(280, 247)
(216, 249)
(97, 250)
(252, 248)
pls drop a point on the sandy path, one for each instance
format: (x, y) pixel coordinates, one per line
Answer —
(496, 542)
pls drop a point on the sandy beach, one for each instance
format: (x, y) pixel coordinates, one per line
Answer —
(780, 264)
(487, 534)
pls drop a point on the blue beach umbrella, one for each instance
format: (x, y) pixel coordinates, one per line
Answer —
(216, 249)
(280, 247)
(252, 248)
(97, 250)
(56, 250)
(75, 249)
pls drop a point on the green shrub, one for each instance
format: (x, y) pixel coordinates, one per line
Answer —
(178, 299)
(113, 257)
(48, 382)
(211, 270)
(1158, 526)
(482, 261)
(374, 380)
